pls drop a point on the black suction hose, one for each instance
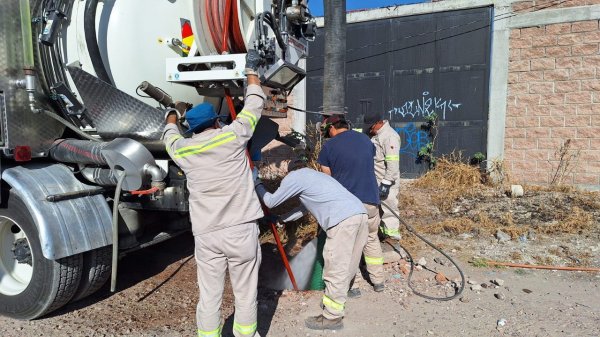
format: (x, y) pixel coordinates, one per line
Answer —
(412, 262)
(89, 28)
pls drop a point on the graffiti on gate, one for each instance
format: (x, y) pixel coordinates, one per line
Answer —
(424, 107)
(414, 138)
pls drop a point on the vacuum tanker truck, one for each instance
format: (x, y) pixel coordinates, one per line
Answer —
(83, 89)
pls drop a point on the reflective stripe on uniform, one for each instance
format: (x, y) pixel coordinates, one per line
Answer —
(172, 140)
(373, 260)
(212, 143)
(245, 329)
(213, 333)
(328, 302)
(248, 116)
(391, 232)
(392, 158)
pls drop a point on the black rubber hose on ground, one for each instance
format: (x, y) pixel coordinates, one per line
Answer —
(89, 28)
(412, 262)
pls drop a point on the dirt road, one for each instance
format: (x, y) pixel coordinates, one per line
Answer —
(157, 297)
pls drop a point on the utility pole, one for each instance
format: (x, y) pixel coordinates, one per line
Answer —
(334, 82)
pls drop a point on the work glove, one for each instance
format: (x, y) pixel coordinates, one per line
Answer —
(384, 189)
(253, 61)
(171, 111)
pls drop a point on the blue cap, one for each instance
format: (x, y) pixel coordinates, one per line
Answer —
(200, 117)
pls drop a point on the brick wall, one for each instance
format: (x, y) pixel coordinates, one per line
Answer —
(535, 5)
(554, 95)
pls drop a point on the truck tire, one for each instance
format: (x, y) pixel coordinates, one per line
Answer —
(96, 271)
(30, 284)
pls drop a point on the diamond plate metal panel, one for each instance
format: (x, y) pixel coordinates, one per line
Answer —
(115, 113)
(21, 126)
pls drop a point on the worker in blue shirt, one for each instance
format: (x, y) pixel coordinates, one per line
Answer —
(348, 157)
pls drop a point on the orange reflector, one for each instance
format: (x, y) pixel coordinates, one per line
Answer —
(22, 153)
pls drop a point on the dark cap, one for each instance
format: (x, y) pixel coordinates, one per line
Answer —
(372, 118)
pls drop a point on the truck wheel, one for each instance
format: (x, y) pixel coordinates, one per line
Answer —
(96, 271)
(30, 284)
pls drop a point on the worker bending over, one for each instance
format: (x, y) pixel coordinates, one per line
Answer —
(348, 158)
(387, 170)
(344, 220)
(223, 205)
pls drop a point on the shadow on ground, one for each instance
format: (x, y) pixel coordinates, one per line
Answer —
(139, 266)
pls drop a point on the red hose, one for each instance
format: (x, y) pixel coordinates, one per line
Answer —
(209, 7)
(145, 192)
(284, 258)
(226, 36)
(238, 39)
(225, 40)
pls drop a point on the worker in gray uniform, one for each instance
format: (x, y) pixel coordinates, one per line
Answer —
(223, 205)
(342, 216)
(387, 170)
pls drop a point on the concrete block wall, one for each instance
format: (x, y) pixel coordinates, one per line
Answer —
(553, 95)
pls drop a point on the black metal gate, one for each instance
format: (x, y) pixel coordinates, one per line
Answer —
(410, 67)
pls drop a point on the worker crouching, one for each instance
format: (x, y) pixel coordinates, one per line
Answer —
(342, 216)
(223, 205)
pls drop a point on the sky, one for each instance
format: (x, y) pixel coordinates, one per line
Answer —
(316, 6)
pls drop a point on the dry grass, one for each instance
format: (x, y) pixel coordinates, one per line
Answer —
(575, 222)
(515, 231)
(451, 175)
(452, 180)
(587, 200)
(543, 260)
(406, 199)
(516, 255)
(314, 143)
(566, 160)
(551, 188)
(480, 224)
(452, 226)
(485, 223)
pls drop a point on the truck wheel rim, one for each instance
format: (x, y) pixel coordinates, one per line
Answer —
(14, 275)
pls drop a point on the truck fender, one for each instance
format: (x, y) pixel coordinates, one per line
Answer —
(66, 227)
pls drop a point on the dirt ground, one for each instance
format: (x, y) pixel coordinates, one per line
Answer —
(157, 286)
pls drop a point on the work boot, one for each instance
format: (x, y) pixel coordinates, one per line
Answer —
(354, 293)
(322, 323)
(378, 287)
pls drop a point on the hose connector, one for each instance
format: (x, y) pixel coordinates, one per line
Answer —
(157, 175)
